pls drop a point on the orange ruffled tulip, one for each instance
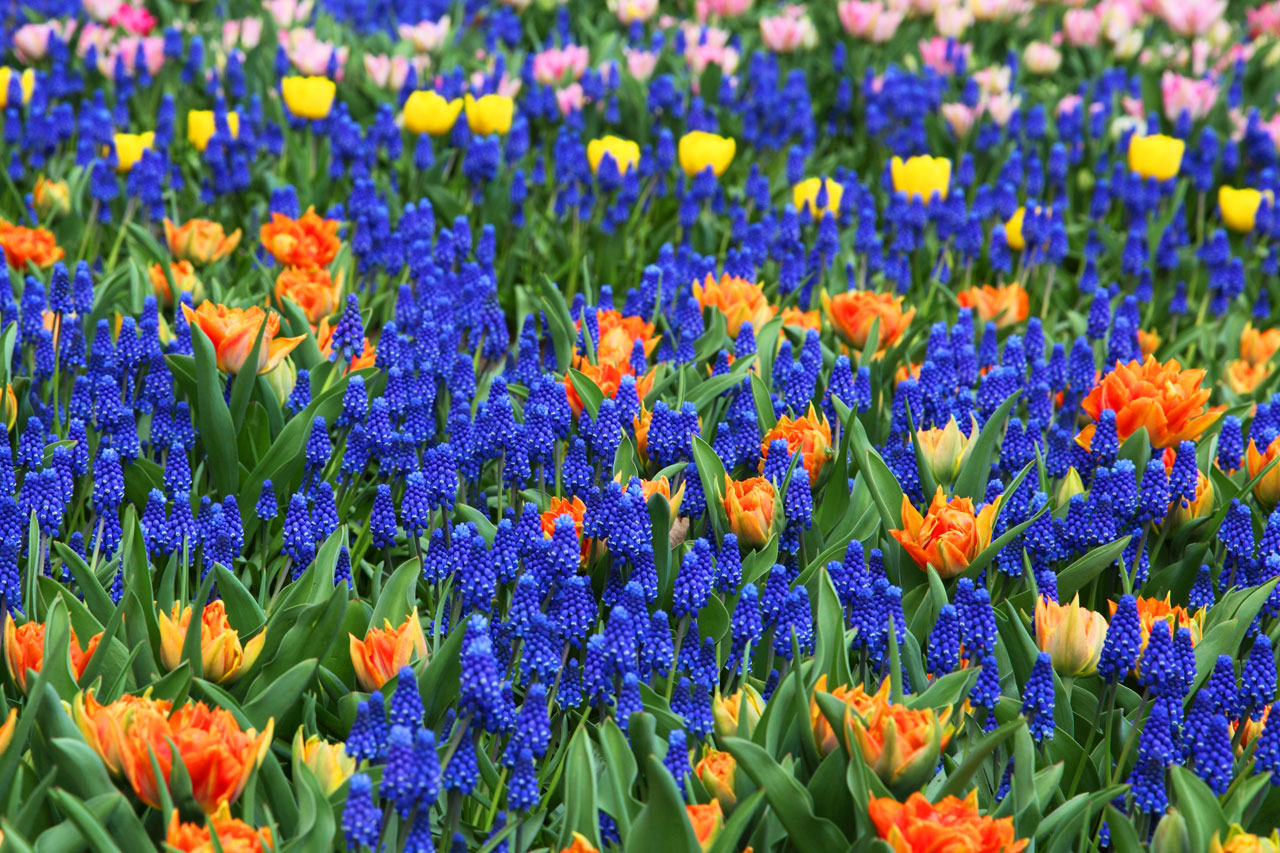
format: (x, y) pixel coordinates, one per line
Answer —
(232, 331)
(200, 240)
(24, 245)
(304, 242)
(1257, 346)
(745, 704)
(218, 755)
(952, 824)
(1238, 841)
(233, 834)
(385, 651)
(617, 335)
(1266, 490)
(1005, 306)
(718, 773)
(660, 486)
(740, 301)
(1164, 398)
(184, 279)
(810, 435)
(1153, 610)
(324, 340)
(803, 319)
(750, 507)
(856, 701)
(580, 845)
(314, 289)
(607, 378)
(222, 657)
(853, 312)
(901, 744)
(1071, 634)
(707, 820)
(24, 650)
(949, 536)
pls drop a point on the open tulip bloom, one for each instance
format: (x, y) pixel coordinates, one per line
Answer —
(691, 425)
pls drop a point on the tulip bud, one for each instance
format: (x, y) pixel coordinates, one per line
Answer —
(945, 450)
(1171, 834)
(737, 714)
(1070, 486)
(1071, 634)
(328, 761)
(718, 772)
(1201, 506)
(707, 821)
(51, 198)
(282, 378)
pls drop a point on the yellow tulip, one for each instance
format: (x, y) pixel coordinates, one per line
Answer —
(946, 449)
(1156, 156)
(27, 80)
(222, 657)
(1239, 208)
(201, 126)
(490, 114)
(308, 97)
(699, 150)
(429, 112)
(625, 153)
(745, 705)
(328, 761)
(805, 196)
(1071, 634)
(1013, 230)
(921, 177)
(129, 148)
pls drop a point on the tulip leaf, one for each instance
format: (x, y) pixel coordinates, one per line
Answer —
(95, 597)
(1075, 576)
(438, 675)
(397, 600)
(81, 770)
(764, 403)
(581, 810)
(242, 384)
(975, 757)
(279, 697)
(217, 432)
(712, 475)
(663, 823)
(89, 819)
(787, 798)
(307, 353)
(971, 482)
(928, 485)
(587, 390)
(709, 389)
(886, 492)
(243, 611)
(619, 777)
(832, 651)
(1195, 800)
(560, 326)
(1124, 836)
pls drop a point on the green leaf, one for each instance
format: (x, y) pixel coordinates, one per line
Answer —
(1199, 805)
(663, 824)
(213, 418)
(787, 798)
(618, 778)
(580, 807)
(1077, 575)
(971, 482)
(281, 695)
(397, 599)
(242, 385)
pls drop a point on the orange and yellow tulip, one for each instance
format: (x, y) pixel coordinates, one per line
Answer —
(314, 290)
(232, 331)
(185, 280)
(222, 657)
(200, 240)
(1165, 399)
(718, 773)
(308, 241)
(1071, 634)
(945, 450)
(810, 435)
(853, 313)
(328, 761)
(951, 824)
(1266, 490)
(949, 536)
(707, 820)
(233, 835)
(740, 301)
(1005, 306)
(750, 507)
(856, 701)
(385, 651)
(901, 744)
(24, 650)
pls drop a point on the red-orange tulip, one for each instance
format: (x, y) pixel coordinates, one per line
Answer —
(308, 241)
(853, 312)
(749, 505)
(22, 244)
(234, 835)
(1005, 306)
(315, 290)
(1164, 398)
(384, 651)
(953, 825)
(24, 650)
(810, 434)
(740, 301)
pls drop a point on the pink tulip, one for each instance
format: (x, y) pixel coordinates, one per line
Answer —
(386, 72)
(570, 99)
(942, 54)
(1264, 20)
(311, 55)
(246, 33)
(721, 8)
(426, 36)
(886, 25)
(993, 80)
(555, 64)
(791, 31)
(126, 49)
(1186, 94)
(858, 17)
(708, 46)
(31, 42)
(101, 10)
(1191, 17)
(1000, 107)
(1082, 27)
(133, 19)
(960, 117)
(640, 63)
(1068, 104)
(286, 13)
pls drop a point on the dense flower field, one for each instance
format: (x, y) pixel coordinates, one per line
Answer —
(655, 425)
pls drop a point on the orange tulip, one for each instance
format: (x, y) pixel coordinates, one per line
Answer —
(580, 845)
(1258, 346)
(809, 435)
(607, 378)
(199, 240)
(617, 335)
(218, 755)
(1005, 306)
(1071, 634)
(24, 650)
(9, 726)
(1243, 377)
(234, 835)
(750, 506)
(745, 703)
(803, 319)
(661, 486)
(232, 331)
(51, 198)
(952, 824)
(1266, 490)
(707, 821)
(1153, 610)
(1164, 398)
(1148, 342)
(740, 301)
(856, 701)
(718, 772)
(854, 311)
(386, 650)
(901, 744)
(35, 245)
(308, 241)
(1251, 730)
(949, 536)
(184, 278)
(1238, 841)
(324, 340)
(315, 290)
(222, 657)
